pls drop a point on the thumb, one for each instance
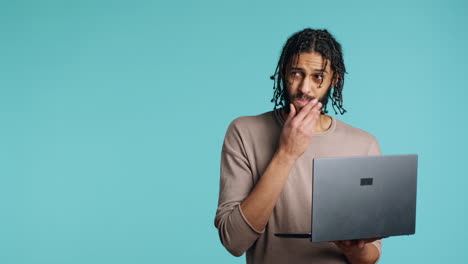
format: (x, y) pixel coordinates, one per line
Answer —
(292, 112)
(361, 244)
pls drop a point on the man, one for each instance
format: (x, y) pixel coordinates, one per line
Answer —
(266, 161)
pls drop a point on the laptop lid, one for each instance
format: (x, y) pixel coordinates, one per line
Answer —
(363, 197)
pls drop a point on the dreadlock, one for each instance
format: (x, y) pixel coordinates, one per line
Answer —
(310, 40)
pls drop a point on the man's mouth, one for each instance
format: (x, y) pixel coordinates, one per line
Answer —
(303, 100)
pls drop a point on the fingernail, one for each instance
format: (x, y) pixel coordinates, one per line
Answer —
(314, 101)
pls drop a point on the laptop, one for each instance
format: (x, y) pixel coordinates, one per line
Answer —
(362, 197)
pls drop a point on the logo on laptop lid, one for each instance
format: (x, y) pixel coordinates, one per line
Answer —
(367, 181)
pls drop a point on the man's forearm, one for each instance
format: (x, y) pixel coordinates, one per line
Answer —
(258, 206)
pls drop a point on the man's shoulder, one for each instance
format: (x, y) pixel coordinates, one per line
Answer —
(266, 119)
(350, 131)
(246, 131)
(253, 127)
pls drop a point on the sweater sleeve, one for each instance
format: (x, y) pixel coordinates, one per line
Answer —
(374, 150)
(235, 232)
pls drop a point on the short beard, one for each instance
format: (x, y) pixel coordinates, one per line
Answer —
(288, 99)
(303, 96)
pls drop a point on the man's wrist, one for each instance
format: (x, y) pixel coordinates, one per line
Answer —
(284, 158)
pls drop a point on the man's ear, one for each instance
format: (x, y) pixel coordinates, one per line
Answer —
(336, 78)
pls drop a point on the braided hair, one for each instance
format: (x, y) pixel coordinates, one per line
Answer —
(310, 40)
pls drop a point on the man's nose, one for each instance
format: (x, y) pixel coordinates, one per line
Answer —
(305, 86)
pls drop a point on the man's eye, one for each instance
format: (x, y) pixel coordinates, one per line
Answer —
(318, 76)
(296, 74)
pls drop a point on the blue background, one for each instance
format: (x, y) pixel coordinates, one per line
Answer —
(113, 115)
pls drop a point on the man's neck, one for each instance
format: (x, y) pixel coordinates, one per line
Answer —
(324, 123)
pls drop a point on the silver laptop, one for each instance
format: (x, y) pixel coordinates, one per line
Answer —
(362, 197)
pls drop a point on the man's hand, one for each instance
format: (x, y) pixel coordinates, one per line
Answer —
(359, 250)
(299, 128)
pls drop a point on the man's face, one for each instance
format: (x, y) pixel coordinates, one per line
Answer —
(308, 79)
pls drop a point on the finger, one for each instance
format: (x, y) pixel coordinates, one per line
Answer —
(292, 112)
(361, 243)
(370, 240)
(347, 245)
(313, 114)
(304, 111)
(317, 107)
(340, 245)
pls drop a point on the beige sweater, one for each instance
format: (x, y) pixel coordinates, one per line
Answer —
(249, 145)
